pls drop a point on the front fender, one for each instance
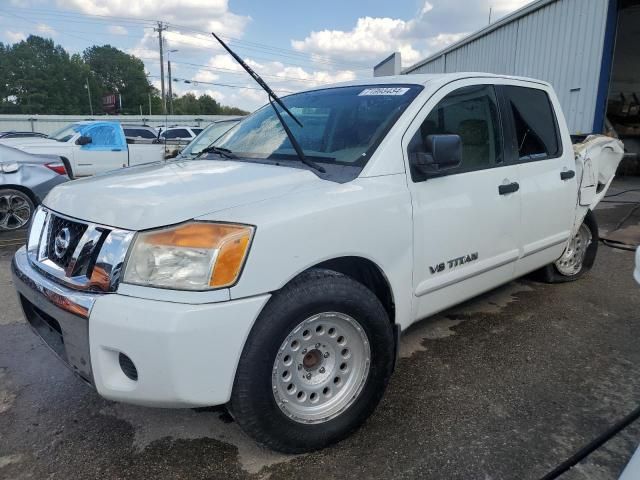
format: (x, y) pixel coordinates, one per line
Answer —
(369, 218)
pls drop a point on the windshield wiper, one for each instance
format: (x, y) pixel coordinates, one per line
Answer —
(223, 152)
(274, 98)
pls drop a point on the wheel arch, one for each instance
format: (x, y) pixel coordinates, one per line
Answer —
(28, 192)
(364, 271)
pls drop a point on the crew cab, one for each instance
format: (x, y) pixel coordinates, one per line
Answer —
(91, 147)
(277, 280)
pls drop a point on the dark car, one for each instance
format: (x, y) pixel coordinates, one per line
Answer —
(25, 179)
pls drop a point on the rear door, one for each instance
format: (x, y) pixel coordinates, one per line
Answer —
(548, 188)
(465, 220)
(107, 150)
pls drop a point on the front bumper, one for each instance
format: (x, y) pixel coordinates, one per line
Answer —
(185, 355)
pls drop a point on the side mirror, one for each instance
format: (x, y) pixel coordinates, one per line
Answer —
(84, 140)
(444, 152)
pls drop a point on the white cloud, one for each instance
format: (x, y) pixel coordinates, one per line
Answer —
(437, 23)
(46, 29)
(117, 30)
(14, 37)
(207, 15)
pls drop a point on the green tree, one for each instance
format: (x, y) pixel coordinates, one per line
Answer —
(186, 105)
(40, 77)
(117, 72)
(208, 105)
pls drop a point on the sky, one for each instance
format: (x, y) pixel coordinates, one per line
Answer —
(294, 45)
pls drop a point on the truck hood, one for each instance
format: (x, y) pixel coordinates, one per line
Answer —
(156, 195)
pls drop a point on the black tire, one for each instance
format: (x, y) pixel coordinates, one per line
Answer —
(551, 274)
(8, 222)
(253, 404)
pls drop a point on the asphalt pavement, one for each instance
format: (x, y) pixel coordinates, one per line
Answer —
(503, 387)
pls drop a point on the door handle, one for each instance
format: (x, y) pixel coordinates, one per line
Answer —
(567, 175)
(508, 188)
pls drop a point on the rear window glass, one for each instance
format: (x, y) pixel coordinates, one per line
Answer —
(535, 123)
(177, 133)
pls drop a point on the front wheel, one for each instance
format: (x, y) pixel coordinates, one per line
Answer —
(578, 257)
(315, 364)
(16, 209)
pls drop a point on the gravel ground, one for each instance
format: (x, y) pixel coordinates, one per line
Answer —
(503, 387)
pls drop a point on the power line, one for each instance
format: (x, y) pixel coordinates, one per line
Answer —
(217, 84)
(243, 44)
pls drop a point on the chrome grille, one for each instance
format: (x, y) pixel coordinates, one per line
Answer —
(91, 256)
(58, 225)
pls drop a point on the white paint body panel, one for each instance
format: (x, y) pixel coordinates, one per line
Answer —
(187, 344)
(186, 355)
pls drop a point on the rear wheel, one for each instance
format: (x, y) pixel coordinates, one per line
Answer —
(16, 209)
(578, 257)
(315, 365)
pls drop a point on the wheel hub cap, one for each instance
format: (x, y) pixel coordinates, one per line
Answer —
(570, 263)
(321, 368)
(15, 212)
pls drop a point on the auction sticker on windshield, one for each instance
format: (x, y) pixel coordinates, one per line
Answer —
(384, 91)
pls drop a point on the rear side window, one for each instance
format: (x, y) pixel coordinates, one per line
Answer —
(138, 132)
(472, 113)
(177, 133)
(196, 131)
(535, 123)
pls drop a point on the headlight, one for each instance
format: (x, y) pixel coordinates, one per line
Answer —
(193, 256)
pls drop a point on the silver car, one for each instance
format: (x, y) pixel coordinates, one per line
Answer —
(25, 179)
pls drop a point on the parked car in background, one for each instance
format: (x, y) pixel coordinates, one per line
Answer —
(25, 179)
(14, 134)
(176, 137)
(91, 147)
(208, 136)
(140, 133)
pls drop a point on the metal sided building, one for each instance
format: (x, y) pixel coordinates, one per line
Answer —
(589, 50)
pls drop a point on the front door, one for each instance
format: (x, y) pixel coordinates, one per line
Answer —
(107, 151)
(466, 220)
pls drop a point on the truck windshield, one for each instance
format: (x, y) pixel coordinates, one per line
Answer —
(341, 125)
(65, 133)
(207, 137)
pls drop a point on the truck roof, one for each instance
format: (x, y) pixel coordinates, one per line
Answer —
(423, 79)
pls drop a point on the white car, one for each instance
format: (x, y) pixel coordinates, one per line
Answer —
(91, 147)
(278, 281)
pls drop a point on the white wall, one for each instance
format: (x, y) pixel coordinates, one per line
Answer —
(50, 123)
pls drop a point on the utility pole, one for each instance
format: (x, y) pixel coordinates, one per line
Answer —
(490, 11)
(149, 104)
(161, 28)
(170, 88)
(89, 94)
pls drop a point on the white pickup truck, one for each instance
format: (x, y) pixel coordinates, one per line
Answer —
(279, 284)
(91, 147)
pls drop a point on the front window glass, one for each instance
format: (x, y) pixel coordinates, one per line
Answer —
(472, 113)
(341, 125)
(66, 133)
(102, 136)
(207, 137)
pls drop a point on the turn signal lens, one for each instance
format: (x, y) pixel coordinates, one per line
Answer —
(193, 256)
